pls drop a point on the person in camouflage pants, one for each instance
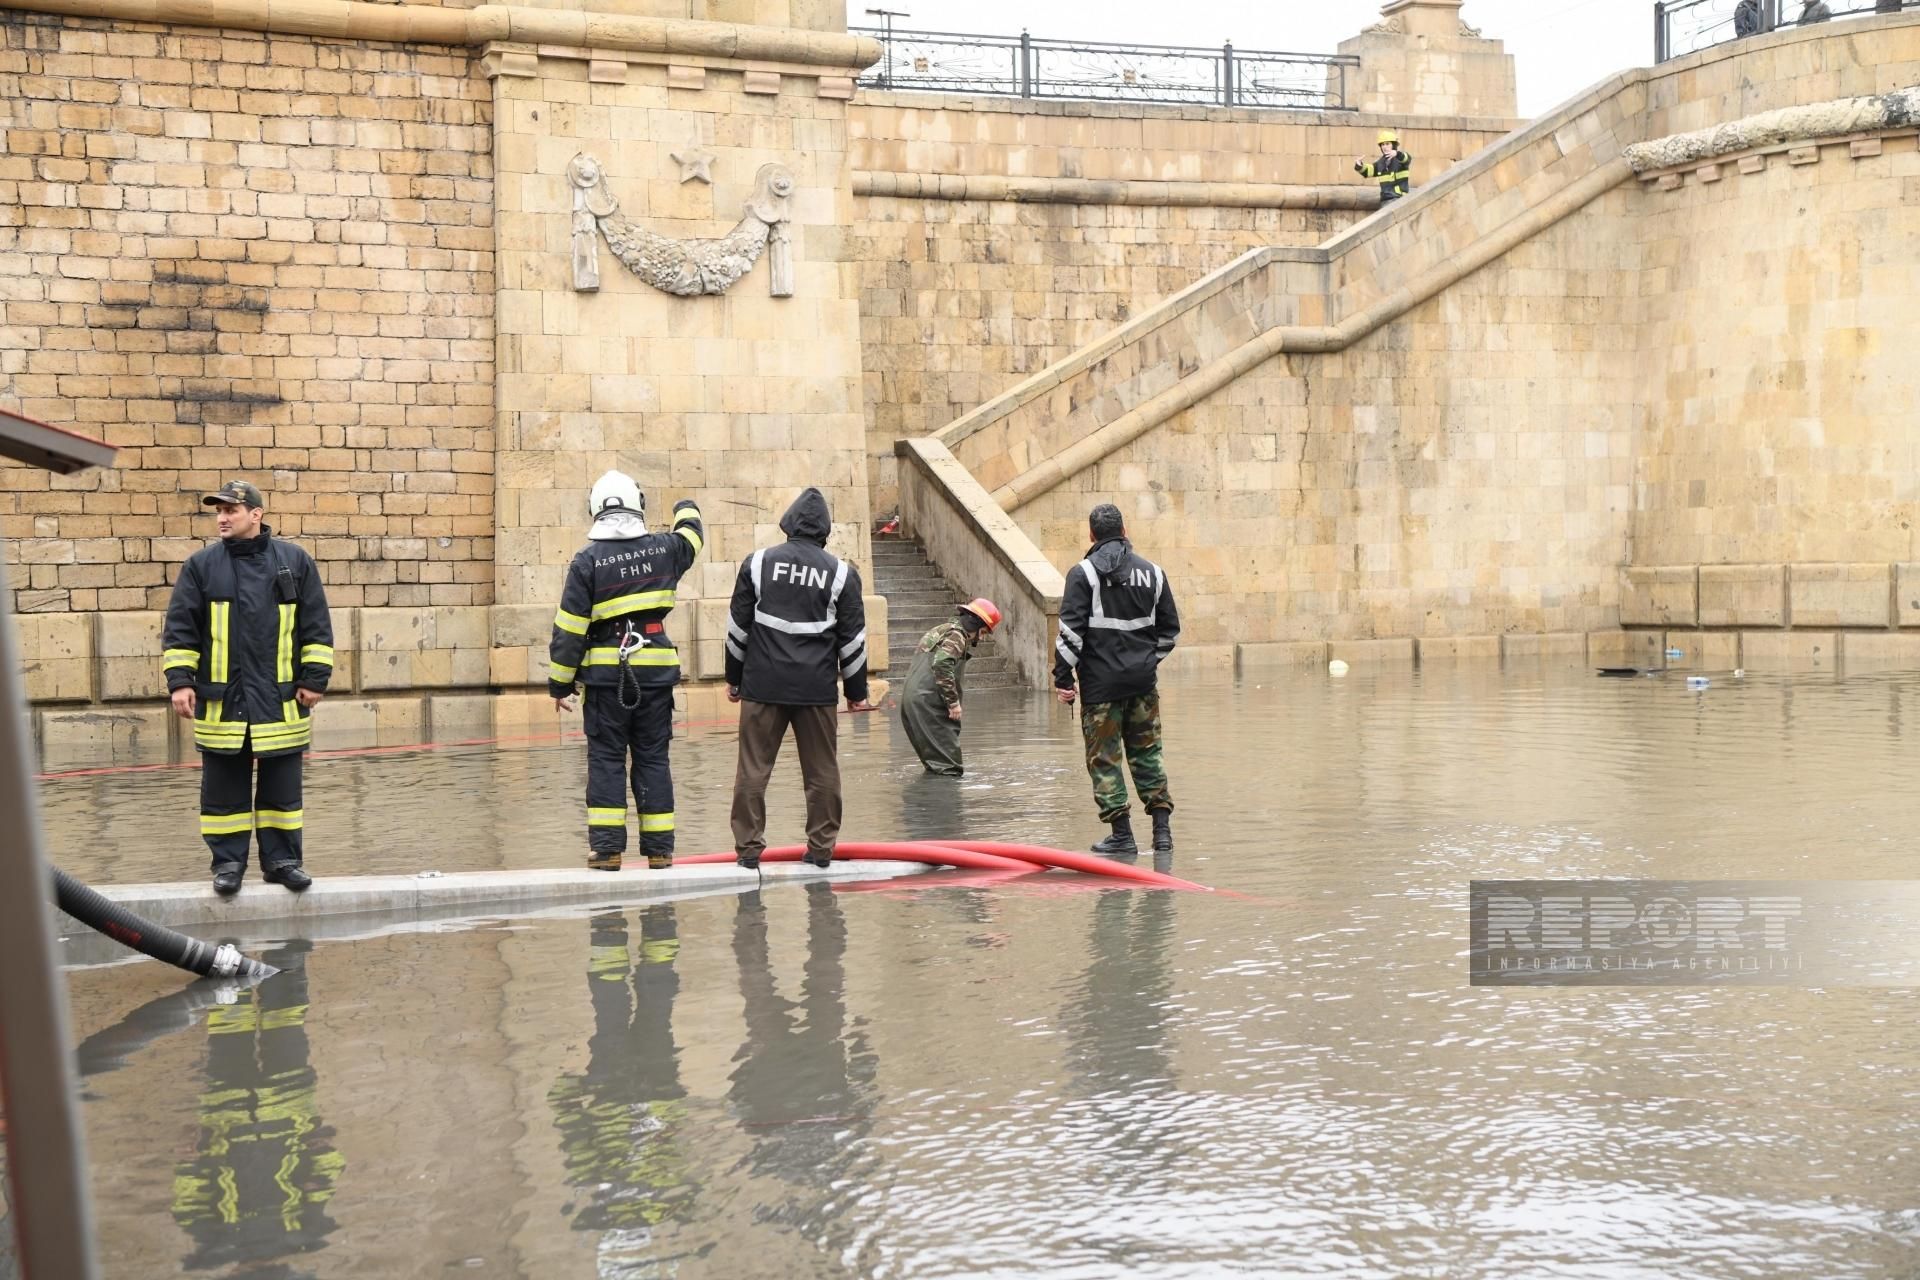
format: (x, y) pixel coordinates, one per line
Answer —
(1133, 726)
(930, 700)
(1118, 623)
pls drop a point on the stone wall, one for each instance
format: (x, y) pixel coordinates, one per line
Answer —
(234, 254)
(1464, 470)
(1778, 328)
(962, 298)
(737, 400)
(1537, 371)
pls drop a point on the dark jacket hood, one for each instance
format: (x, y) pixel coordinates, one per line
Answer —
(808, 519)
(1109, 555)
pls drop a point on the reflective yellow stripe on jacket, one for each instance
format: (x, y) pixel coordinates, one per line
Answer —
(217, 618)
(283, 652)
(638, 602)
(609, 656)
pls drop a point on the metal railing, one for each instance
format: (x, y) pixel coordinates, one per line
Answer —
(1682, 26)
(1025, 66)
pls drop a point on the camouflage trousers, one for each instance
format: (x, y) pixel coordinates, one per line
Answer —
(1133, 726)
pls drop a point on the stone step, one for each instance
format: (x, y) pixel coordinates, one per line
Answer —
(925, 598)
(919, 598)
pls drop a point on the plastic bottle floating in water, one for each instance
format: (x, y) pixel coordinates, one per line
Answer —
(1698, 682)
(1674, 655)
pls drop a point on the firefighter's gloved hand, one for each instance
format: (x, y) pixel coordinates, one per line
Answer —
(184, 702)
(563, 704)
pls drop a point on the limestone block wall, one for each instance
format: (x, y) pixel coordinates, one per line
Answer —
(737, 400)
(962, 298)
(1778, 329)
(234, 254)
(1465, 470)
(1525, 378)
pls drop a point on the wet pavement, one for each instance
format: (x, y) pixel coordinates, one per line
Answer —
(950, 1076)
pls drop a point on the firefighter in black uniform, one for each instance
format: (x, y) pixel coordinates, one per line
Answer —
(1392, 168)
(249, 651)
(611, 635)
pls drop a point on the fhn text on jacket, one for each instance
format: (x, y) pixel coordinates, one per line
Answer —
(610, 633)
(797, 611)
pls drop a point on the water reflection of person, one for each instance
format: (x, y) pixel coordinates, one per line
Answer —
(265, 1169)
(802, 1084)
(1117, 1038)
(619, 1122)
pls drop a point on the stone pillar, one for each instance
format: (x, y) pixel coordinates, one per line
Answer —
(1421, 59)
(737, 398)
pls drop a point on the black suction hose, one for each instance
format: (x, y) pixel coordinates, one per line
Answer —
(128, 929)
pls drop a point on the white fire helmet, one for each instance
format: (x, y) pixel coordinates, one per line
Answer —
(615, 491)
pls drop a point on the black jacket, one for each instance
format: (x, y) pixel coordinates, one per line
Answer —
(247, 625)
(1117, 621)
(798, 625)
(1393, 171)
(622, 589)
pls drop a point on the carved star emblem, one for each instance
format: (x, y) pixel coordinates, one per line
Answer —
(695, 166)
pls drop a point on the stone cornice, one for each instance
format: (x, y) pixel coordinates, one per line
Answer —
(1218, 195)
(431, 24)
(1809, 122)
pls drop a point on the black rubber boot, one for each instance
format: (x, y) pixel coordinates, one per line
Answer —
(1162, 830)
(746, 861)
(226, 881)
(288, 874)
(819, 858)
(1119, 843)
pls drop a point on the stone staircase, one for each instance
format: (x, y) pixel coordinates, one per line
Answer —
(917, 598)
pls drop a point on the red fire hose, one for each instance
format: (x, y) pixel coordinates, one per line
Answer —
(980, 855)
(939, 855)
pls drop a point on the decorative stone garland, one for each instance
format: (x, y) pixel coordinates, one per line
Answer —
(684, 268)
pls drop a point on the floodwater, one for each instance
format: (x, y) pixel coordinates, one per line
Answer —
(1047, 1077)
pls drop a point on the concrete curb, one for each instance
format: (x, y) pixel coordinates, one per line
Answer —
(191, 904)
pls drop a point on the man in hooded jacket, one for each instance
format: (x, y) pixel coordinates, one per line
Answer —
(796, 631)
(611, 634)
(1117, 623)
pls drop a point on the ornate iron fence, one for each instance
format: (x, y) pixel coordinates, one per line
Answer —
(1025, 66)
(1682, 26)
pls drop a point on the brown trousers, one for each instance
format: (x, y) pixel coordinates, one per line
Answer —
(816, 734)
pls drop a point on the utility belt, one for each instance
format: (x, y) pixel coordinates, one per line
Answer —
(640, 657)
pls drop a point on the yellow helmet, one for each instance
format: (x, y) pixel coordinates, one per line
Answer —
(1389, 135)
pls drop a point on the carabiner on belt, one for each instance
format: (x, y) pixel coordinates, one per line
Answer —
(632, 639)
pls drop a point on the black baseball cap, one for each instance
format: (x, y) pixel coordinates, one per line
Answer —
(239, 492)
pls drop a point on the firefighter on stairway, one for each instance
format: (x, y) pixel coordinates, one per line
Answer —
(610, 634)
(930, 700)
(1117, 623)
(1392, 168)
(249, 651)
